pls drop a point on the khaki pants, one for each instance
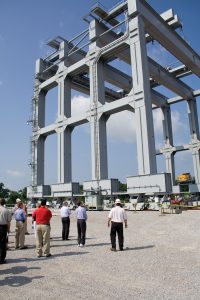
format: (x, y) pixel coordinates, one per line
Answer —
(19, 234)
(42, 239)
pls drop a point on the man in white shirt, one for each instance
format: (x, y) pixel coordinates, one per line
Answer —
(116, 217)
(65, 212)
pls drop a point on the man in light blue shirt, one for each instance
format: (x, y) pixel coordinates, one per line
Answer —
(20, 217)
(81, 216)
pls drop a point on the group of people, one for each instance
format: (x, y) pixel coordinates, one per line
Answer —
(41, 217)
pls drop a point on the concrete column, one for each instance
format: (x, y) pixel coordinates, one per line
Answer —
(38, 142)
(40, 109)
(63, 52)
(167, 126)
(143, 104)
(39, 97)
(63, 133)
(170, 166)
(64, 155)
(98, 123)
(38, 166)
(193, 119)
(195, 139)
(196, 162)
(64, 98)
(168, 142)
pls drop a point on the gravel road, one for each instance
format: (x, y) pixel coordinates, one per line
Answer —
(161, 261)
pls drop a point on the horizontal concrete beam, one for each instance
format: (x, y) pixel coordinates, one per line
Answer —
(162, 76)
(118, 78)
(158, 99)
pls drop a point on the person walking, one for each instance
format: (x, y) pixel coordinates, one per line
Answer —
(20, 217)
(5, 219)
(42, 216)
(81, 216)
(65, 213)
(116, 217)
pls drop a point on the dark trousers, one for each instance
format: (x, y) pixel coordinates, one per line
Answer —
(117, 228)
(81, 227)
(3, 242)
(65, 228)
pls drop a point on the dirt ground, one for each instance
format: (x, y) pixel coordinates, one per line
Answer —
(161, 261)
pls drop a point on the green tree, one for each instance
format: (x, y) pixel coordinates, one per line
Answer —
(122, 187)
(12, 197)
(23, 194)
(3, 191)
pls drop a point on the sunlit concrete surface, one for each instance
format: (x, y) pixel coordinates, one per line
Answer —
(161, 261)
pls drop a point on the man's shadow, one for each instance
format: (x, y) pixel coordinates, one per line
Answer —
(139, 248)
(16, 281)
(17, 270)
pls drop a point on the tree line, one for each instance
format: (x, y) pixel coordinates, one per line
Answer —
(11, 196)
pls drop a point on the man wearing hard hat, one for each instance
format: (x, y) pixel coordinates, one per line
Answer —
(116, 217)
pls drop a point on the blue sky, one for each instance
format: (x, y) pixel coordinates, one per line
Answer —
(25, 26)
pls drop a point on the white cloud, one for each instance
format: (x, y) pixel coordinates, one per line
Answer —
(121, 127)
(178, 126)
(80, 105)
(14, 173)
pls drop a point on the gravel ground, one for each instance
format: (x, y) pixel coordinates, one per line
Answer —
(161, 261)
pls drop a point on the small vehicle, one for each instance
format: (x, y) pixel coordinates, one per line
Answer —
(184, 177)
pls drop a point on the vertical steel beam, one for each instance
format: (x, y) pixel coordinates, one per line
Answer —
(64, 134)
(64, 155)
(98, 124)
(97, 97)
(143, 104)
(39, 160)
(168, 142)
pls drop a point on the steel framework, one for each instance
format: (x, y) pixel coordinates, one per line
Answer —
(84, 64)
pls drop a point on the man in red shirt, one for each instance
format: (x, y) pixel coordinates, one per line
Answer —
(42, 216)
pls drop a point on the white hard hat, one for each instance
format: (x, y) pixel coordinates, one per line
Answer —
(117, 201)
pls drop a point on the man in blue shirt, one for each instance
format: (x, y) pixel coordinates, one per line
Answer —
(81, 216)
(20, 217)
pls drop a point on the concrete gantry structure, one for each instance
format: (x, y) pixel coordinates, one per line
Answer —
(70, 66)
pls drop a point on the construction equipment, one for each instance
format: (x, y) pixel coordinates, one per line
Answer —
(184, 177)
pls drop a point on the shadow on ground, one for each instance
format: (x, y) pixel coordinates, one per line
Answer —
(16, 281)
(139, 248)
(19, 260)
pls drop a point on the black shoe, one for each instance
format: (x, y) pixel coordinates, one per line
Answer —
(22, 248)
(121, 249)
(39, 256)
(27, 233)
(112, 249)
(48, 255)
